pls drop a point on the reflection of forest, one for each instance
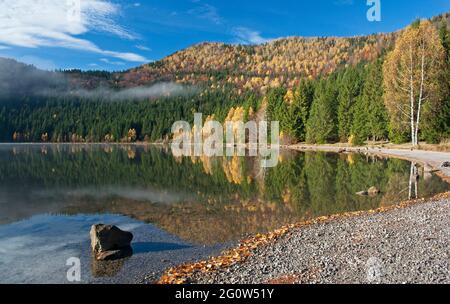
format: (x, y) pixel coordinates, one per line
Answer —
(233, 196)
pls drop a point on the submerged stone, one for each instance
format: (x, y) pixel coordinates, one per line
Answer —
(114, 254)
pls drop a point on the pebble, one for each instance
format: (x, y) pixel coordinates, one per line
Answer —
(414, 251)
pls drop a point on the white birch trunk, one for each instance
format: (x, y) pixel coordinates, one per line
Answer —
(411, 91)
(410, 182)
(422, 71)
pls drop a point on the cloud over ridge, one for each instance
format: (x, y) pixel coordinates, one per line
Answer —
(59, 23)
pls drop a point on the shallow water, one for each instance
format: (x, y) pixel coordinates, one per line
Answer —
(178, 208)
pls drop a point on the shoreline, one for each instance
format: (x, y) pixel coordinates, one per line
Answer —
(406, 245)
(247, 249)
(235, 257)
(250, 248)
(430, 160)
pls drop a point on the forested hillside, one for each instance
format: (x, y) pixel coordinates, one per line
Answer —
(320, 89)
(280, 63)
(283, 62)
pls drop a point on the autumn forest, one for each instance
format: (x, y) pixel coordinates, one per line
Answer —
(322, 90)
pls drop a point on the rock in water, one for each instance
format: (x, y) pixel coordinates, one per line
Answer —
(109, 242)
(445, 164)
(114, 254)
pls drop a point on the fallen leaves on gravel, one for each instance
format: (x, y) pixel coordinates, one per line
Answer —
(182, 273)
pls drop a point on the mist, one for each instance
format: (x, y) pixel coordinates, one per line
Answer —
(164, 89)
(18, 80)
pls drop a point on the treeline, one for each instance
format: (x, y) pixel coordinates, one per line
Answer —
(76, 119)
(368, 102)
(402, 92)
(347, 106)
(294, 188)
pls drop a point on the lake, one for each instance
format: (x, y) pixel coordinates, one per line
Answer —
(179, 209)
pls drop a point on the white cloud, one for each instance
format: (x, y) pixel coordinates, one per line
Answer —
(154, 91)
(245, 35)
(106, 60)
(143, 47)
(57, 23)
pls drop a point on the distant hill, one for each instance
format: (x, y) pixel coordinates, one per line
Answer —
(224, 82)
(19, 79)
(282, 62)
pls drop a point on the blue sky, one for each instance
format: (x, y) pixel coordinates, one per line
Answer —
(119, 34)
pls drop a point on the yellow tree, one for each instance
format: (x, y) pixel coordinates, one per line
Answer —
(414, 75)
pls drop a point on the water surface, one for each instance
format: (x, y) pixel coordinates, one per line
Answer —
(178, 208)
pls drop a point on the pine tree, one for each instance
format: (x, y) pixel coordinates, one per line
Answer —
(321, 127)
(360, 126)
(443, 122)
(303, 99)
(370, 117)
(278, 110)
(349, 90)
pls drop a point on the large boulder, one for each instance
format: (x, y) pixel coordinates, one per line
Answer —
(109, 242)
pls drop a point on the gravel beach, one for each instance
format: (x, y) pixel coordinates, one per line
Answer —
(408, 245)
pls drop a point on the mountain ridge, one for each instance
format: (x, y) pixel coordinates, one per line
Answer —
(283, 62)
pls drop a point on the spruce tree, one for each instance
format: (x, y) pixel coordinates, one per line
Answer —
(349, 90)
(360, 127)
(443, 124)
(303, 99)
(321, 127)
(370, 117)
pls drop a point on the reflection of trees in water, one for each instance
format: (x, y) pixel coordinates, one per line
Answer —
(232, 167)
(413, 182)
(405, 186)
(233, 198)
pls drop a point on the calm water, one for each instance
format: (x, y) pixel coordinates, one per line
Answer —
(183, 208)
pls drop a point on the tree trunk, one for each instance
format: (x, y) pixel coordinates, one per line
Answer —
(410, 182)
(422, 71)
(411, 91)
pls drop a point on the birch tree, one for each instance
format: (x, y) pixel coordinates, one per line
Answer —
(414, 76)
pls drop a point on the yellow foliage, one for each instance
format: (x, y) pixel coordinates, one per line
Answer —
(271, 64)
